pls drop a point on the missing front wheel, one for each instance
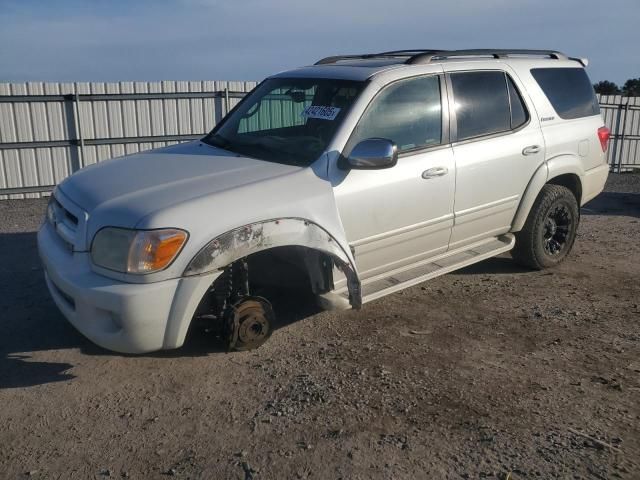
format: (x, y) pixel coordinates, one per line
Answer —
(248, 324)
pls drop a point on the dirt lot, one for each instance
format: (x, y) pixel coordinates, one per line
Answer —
(494, 371)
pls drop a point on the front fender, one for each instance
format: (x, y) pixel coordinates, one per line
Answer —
(206, 265)
(256, 237)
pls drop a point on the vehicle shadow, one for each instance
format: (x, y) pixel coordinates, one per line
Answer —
(290, 306)
(30, 321)
(614, 203)
(501, 265)
(607, 203)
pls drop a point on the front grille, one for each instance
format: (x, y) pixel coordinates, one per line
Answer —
(64, 215)
(68, 220)
(67, 214)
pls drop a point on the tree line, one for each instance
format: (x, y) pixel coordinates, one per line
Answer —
(631, 88)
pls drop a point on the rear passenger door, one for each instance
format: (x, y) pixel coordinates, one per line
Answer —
(497, 145)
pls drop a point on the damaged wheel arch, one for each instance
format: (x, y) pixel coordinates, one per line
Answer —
(264, 235)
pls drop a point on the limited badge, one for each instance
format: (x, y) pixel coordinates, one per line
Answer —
(321, 112)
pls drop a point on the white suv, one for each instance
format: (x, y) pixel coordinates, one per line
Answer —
(353, 178)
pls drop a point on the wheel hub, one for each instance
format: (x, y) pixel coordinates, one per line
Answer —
(249, 323)
(253, 326)
(551, 227)
(557, 226)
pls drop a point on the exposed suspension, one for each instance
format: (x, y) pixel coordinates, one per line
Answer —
(246, 320)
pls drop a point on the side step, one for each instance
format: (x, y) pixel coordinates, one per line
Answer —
(399, 279)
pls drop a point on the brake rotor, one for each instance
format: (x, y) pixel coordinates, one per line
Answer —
(249, 323)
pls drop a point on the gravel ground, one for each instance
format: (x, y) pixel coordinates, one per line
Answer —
(493, 371)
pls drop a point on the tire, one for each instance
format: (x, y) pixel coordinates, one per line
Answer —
(550, 230)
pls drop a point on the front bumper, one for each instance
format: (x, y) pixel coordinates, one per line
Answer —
(124, 317)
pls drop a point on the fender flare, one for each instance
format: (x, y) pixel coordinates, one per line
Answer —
(205, 267)
(264, 235)
(563, 164)
(530, 194)
(556, 166)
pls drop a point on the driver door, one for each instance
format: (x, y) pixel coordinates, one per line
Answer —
(401, 215)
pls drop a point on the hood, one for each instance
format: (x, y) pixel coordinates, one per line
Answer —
(134, 186)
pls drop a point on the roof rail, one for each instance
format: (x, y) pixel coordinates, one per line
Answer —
(421, 56)
(410, 52)
(427, 57)
(365, 56)
(337, 58)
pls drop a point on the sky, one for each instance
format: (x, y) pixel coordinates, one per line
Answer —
(118, 40)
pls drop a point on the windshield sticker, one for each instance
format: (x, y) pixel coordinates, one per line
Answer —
(321, 112)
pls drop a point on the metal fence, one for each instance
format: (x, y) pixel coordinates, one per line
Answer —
(50, 130)
(622, 116)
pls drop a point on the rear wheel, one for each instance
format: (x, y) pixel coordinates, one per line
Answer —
(550, 230)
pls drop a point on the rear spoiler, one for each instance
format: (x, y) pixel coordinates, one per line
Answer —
(584, 61)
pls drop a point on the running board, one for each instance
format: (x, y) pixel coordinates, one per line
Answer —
(399, 279)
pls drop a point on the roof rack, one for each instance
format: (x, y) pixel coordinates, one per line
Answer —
(427, 57)
(366, 56)
(422, 56)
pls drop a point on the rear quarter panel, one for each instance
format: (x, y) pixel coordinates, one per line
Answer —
(578, 136)
(571, 145)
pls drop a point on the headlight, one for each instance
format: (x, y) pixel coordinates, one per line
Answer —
(136, 251)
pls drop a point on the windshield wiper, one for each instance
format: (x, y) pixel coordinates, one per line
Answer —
(259, 148)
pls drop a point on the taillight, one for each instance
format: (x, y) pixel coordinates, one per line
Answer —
(603, 135)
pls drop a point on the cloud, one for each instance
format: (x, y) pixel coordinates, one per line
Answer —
(215, 39)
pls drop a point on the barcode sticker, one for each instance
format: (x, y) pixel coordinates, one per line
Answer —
(321, 112)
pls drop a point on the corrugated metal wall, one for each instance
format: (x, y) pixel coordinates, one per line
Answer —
(49, 130)
(37, 123)
(622, 116)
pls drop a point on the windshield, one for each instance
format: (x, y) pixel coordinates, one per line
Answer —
(286, 120)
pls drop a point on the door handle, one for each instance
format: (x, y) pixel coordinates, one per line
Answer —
(434, 172)
(531, 150)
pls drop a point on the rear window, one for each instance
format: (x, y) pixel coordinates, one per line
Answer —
(569, 91)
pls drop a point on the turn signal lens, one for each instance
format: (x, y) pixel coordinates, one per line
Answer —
(153, 250)
(136, 251)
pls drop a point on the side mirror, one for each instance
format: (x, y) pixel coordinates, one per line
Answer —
(373, 154)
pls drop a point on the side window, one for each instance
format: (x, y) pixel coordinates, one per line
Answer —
(569, 91)
(408, 112)
(481, 103)
(519, 114)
